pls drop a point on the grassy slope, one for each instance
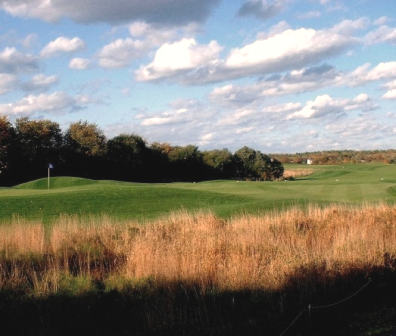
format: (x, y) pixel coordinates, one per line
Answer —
(349, 183)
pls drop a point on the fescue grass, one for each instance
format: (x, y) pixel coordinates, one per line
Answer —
(243, 253)
(280, 260)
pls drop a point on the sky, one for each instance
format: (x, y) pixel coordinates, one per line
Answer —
(279, 76)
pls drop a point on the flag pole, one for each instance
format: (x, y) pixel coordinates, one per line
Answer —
(50, 166)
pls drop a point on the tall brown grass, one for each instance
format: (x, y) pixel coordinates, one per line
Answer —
(243, 253)
(298, 172)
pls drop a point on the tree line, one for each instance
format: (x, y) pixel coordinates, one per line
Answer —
(334, 157)
(27, 147)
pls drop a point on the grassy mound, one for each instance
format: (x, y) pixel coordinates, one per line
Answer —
(56, 183)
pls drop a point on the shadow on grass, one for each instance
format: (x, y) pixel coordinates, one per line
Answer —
(176, 308)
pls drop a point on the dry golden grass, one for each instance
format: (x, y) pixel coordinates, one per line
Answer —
(300, 172)
(243, 253)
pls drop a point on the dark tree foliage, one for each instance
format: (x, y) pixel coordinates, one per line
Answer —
(38, 143)
(220, 163)
(7, 142)
(85, 150)
(127, 155)
(27, 149)
(185, 163)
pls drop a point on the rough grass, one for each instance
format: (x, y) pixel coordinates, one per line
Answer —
(282, 260)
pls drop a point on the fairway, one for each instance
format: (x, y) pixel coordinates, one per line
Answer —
(138, 201)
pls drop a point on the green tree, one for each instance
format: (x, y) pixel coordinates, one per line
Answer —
(245, 161)
(38, 142)
(7, 142)
(185, 163)
(86, 139)
(220, 162)
(254, 164)
(85, 150)
(127, 154)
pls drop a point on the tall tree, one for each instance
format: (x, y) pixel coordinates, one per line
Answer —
(38, 143)
(127, 155)
(220, 163)
(85, 149)
(254, 164)
(7, 141)
(186, 163)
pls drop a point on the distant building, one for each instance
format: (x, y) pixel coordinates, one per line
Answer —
(307, 161)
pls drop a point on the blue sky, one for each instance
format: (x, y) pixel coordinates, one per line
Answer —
(280, 76)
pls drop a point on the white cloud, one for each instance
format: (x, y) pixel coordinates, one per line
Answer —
(121, 53)
(40, 82)
(325, 105)
(180, 57)
(79, 63)
(145, 37)
(363, 74)
(13, 61)
(62, 45)
(290, 49)
(8, 82)
(391, 94)
(347, 27)
(54, 103)
(382, 35)
(169, 12)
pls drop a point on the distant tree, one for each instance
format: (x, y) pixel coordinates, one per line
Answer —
(87, 139)
(38, 142)
(7, 142)
(85, 150)
(274, 170)
(220, 163)
(245, 160)
(186, 163)
(254, 164)
(127, 154)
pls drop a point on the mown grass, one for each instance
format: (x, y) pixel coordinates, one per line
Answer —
(122, 200)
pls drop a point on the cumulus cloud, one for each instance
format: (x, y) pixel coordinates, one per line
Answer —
(325, 105)
(39, 82)
(391, 94)
(79, 63)
(302, 81)
(121, 53)
(169, 12)
(62, 45)
(262, 9)
(144, 38)
(381, 35)
(363, 74)
(12, 61)
(54, 103)
(290, 49)
(172, 60)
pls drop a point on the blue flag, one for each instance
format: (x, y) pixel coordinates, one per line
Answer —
(50, 166)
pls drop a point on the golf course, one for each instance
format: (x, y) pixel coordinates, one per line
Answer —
(310, 254)
(350, 184)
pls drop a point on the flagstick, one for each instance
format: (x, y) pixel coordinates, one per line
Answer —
(48, 178)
